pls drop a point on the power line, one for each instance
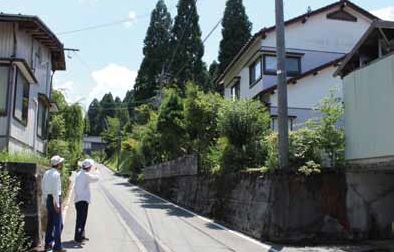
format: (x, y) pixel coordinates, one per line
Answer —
(212, 30)
(88, 28)
(94, 27)
(113, 23)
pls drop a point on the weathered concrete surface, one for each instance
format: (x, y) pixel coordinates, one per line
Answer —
(183, 166)
(284, 207)
(370, 202)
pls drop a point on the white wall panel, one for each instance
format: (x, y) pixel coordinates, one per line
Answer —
(6, 40)
(369, 111)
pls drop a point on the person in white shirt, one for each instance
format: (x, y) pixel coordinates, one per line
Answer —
(83, 197)
(52, 191)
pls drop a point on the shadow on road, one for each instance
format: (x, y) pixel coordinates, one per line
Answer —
(126, 184)
(71, 245)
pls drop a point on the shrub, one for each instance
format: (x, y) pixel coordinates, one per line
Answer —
(11, 219)
(243, 121)
(302, 149)
(244, 124)
(170, 125)
(330, 134)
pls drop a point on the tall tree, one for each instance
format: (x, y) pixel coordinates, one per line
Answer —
(156, 52)
(213, 73)
(121, 112)
(108, 106)
(236, 31)
(129, 102)
(171, 127)
(93, 116)
(188, 49)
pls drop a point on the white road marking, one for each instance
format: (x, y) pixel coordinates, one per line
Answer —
(140, 246)
(64, 213)
(265, 246)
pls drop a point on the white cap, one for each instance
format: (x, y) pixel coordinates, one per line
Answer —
(55, 160)
(87, 163)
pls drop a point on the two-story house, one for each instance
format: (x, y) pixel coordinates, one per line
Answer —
(30, 53)
(316, 42)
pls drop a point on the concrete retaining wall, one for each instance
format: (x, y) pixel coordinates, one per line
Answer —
(291, 208)
(29, 176)
(183, 166)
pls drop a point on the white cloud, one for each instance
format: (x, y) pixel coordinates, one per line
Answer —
(112, 78)
(131, 18)
(65, 87)
(386, 13)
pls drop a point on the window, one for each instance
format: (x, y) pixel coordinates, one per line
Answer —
(274, 123)
(255, 72)
(3, 88)
(236, 91)
(21, 108)
(41, 120)
(293, 65)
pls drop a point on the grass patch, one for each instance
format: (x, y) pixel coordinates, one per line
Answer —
(23, 157)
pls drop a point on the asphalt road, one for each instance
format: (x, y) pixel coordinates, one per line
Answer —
(123, 217)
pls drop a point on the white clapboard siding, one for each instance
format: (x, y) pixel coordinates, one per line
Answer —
(24, 46)
(6, 40)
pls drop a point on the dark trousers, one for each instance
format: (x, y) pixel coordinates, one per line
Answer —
(82, 215)
(54, 225)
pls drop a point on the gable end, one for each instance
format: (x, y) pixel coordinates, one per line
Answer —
(342, 15)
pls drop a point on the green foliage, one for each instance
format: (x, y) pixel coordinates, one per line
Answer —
(98, 156)
(59, 99)
(66, 136)
(302, 149)
(11, 219)
(142, 114)
(23, 157)
(243, 121)
(170, 124)
(58, 147)
(121, 112)
(330, 136)
(236, 32)
(108, 106)
(187, 46)
(157, 52)
(307, 145)
(129, 102)
(201, 113)
(213, 74)
(309, 168)
(94, 119)
(149, 138)
(111, 136)
(57, 126)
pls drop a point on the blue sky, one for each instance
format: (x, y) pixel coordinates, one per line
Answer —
(109, 57)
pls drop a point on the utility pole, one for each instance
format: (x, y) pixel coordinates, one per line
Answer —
(119, 147)
(282, 88)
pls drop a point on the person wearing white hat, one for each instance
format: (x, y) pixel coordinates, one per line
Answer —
(82, 197)
(52, 191)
